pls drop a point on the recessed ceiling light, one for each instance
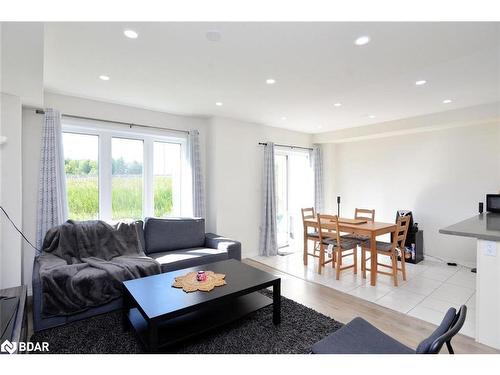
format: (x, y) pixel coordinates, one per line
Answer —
(104, 77)
(213, 36)
(447, 101)
(218, 104)
(421, 82)
(270, 81)
(337, 105)
(372, 116)
(283, 118)
(130, 34)
(362, 40)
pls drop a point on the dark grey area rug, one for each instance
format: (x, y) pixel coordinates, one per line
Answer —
(300, 328)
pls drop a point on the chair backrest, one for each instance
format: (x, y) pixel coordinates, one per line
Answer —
(308, 213)
(449, 327)
(328, 227)
(399, 238)
(363, 213)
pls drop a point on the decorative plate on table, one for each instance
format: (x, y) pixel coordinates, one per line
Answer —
(189, 282)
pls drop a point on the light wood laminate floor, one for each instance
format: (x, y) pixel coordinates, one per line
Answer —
(343, 307)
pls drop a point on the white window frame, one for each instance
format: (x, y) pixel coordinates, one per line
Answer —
(106, 131)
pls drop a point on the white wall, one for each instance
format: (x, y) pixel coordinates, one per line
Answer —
(440, 175)
(21, 84)
(1, 134)
(22, 65)
(234, 184)
(11, 185)
(329, 168)
(31, 141)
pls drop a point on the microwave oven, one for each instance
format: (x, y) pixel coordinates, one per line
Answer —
(493, 203)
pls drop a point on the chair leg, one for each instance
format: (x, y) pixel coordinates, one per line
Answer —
(363, 262)
(355, 255)
(339, 262)
(362, 266)
(403, 265)
(394, 259)
(305, 250)
(450, 348)
(321, 258)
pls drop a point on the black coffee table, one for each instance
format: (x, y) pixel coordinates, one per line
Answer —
(162, 315)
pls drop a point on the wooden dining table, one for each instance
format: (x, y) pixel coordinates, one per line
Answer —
(371, 229)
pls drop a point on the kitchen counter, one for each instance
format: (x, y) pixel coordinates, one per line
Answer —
(486, 229)
(485, 226)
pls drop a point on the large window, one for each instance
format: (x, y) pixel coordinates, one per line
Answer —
(117, 174)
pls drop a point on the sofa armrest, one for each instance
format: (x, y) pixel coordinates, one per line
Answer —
(214, 241)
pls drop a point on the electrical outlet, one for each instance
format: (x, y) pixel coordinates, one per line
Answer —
(490, 248)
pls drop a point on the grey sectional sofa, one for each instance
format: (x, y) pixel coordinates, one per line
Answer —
(175, 243)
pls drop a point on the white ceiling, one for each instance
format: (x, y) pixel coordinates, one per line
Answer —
(172, 67)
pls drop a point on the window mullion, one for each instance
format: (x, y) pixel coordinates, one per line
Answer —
(148, 178)
(105, 172)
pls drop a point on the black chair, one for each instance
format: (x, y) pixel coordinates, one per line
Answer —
(360, 337)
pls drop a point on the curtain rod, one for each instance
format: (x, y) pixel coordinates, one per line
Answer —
(288, 146)
(42, 112)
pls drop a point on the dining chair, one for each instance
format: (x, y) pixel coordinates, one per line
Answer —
(329, 234)
(308, 213)
(362, 214)
(391, 249)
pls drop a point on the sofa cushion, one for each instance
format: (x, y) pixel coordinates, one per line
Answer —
(173, 234)
(359, 337)
(177, 259)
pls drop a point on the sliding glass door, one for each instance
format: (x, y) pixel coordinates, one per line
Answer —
(294, 190)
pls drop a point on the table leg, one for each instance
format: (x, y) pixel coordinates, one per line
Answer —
(127, 305)
(373, 260)
(277, 302)
(153, 336)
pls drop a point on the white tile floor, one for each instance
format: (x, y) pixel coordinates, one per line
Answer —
(431, 287)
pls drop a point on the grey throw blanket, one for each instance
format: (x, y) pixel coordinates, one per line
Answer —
(84, 263)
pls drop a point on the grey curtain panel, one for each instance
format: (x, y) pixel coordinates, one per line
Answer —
(196, 174)
(317, 160)
(268, 236)
(52, 204)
